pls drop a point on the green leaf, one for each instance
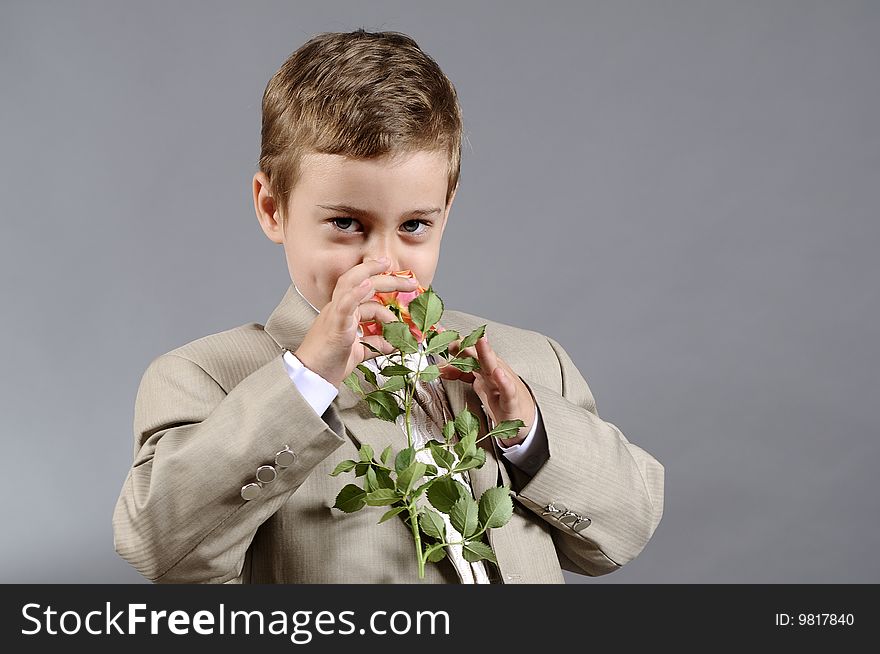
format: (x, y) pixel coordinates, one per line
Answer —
(418, 491)
(465, 423)
(445, 492)
(354, 384)
(377, 478)
(464, 516)
(385, 454)
(394, 384)
(369, 374)
(475, 550)
(360, 469)
(467, 446)
(370, 481)
(440, 341)
(410, 475)
(395, 370)
(382, 497)
(437, 555)
(432, 524)
(403, 459)
(350, 499)
(467, 364)
(430, 373)
(390, 514)
(448, 430)
(441, 455)
(426, 309)
(473, 337)
(343, 466)
(366, 453)
(475, 460)
(399, 335)
(496, 507)
(383, 479)
(384, 405)
(506, 429)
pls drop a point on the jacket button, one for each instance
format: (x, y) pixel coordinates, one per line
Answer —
(569, 518)
(251, 491)
(266, 474)
(284, 458)
(554, 509)
(582, 523)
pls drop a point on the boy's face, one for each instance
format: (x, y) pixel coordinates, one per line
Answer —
(321, 243)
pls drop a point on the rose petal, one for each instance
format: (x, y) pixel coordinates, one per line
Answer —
(371, 328)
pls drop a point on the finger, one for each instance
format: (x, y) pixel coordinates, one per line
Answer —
(486, 356)
(451, 372)
(374, 312)
(387, 283)
(507, 386)
(369, 268)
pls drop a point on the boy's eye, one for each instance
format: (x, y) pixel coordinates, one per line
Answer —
(410, 226)
(347, 223)
(415, 224)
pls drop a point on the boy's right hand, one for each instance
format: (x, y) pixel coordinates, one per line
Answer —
(332, 348)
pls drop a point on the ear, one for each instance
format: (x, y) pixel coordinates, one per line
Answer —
(267, 211)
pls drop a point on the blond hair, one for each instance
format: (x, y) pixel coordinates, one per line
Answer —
(359, 94)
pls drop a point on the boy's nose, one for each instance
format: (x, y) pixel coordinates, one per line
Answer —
(394, 265)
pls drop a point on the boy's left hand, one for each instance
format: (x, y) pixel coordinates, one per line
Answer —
(503, 393)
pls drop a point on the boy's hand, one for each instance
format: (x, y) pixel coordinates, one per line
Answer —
(503, 393)
(332, 348)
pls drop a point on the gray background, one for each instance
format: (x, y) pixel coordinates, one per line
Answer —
(684, 194)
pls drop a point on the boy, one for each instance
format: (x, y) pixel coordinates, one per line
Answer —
(236, 433)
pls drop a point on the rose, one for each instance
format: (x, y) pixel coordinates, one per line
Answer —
(398, 302)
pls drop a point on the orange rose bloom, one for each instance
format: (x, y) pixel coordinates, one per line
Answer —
(399, 300)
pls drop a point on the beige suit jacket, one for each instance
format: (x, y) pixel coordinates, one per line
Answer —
(209, 413)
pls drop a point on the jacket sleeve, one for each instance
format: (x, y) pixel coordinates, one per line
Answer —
(594, 477)
(180, 517)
